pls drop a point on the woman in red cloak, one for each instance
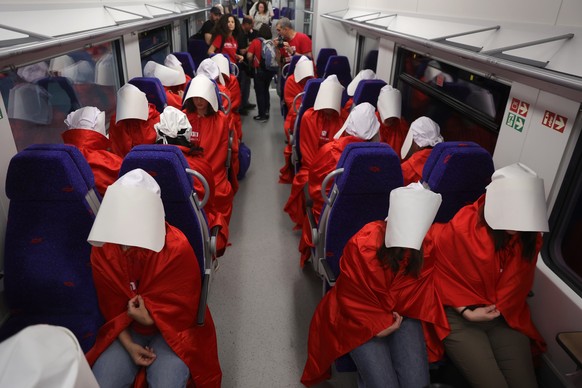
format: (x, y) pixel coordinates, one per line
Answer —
(485, 264)
(423, 135)
(148, 285)
(381, 300)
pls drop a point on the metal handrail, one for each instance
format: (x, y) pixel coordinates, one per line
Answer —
(28, 52)
(549, 76)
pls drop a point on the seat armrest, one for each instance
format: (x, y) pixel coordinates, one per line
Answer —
(328, 274)
(213, 233)
(203, 298)
(571, 342)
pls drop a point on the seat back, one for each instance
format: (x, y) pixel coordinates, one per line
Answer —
(48, 277)
(311, 89)
(187, 63)
(360, 195)
(459, 171)
(167, 165)
(287, 70)
(340, 66)
(322, 57)
(153, 89)
(198, 49)
(368, 90)
(276, 13)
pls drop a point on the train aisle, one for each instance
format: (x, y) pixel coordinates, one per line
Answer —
(261, 300)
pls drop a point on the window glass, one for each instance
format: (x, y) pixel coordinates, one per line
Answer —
(155, 45)
(38, 97)
(367, 53)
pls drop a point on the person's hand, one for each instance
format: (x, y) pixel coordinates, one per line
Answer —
(141, 356)
(137, 311)
(181, 93)
(239, 58)
(482, 314)
(393, 327)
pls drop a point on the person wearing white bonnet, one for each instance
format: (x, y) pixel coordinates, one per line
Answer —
(133, 122)
(393, 128)
(34, 72)
(422, 136)
(210, 69)
(86, 130)
(361, 125)
(318, 126)
(174, 63)
(362, 75)
(210, 132)
(44, 356)
(382, 299)
(57, 64)
(173, 80)
(486, 262)
(294, 85)
(234, 92)
(137, 261)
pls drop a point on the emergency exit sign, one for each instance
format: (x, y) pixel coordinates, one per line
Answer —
(554, 121)
(518, 112)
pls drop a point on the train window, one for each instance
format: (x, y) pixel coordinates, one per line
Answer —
(38, 97)
(466, 105)
(155, 45)
(561, 245)
(367, 50)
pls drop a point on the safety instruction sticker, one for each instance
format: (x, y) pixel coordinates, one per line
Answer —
(554, 121)
(520, 109)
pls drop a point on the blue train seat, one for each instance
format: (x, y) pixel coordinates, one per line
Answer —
(183, 208)
(48, 277)
(153, 89)
(198, 49)
(459, 171)
(322, 57)
(276, 13)
(368, 90)
(340, 66)
(311, 89)
(187, 63)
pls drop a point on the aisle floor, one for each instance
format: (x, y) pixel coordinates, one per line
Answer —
(261, 300)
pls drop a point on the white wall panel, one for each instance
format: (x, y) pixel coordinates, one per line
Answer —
(570, 13)
(386, 53)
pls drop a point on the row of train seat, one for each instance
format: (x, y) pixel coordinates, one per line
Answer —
(53, 203)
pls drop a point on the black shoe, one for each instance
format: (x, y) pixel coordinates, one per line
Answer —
(262, 119)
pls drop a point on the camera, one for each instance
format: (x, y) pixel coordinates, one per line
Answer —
(280, 42)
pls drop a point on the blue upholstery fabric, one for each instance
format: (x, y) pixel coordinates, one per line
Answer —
(198, 49)
(311, 89)
(368, 91)
(459, 171)
(276, 13)
(244, 159)
(48, 277)
(340, 66)
(153, 89)
(322, 57)
(167, 165)
(187, 63)
(371, 171)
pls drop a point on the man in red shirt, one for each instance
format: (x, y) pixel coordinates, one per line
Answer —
(291, 42)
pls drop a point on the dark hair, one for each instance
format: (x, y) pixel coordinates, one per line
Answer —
(393, 256)
(191, 108)
(501, 238)
(215, 10)
(265, 32)
(221, 27)
(265, 7)
(247, 20)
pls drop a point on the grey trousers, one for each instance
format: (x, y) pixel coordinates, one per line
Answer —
(490, 354)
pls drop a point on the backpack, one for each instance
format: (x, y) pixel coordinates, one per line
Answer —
(268, 56)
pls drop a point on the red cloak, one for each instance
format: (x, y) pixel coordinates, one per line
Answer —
(131, 132)
(170, 286)
(214, 217)
(468, 271)
(363, 300)
(94, 147)
(235, 101)
(393, 135)
(211, 133)
(317, 129)
(412, 167)
(324, 163)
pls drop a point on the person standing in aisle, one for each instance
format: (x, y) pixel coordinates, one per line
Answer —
(263, 76)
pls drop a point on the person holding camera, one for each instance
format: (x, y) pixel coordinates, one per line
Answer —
(291, 42)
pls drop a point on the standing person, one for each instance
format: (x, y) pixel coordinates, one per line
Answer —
(485, 266)
(245, 72)
(263, 76)
(260, 15)
(148, 285)
(382, 299)
(224, 38)
(205, 32)
(423, 135)
(292, 42)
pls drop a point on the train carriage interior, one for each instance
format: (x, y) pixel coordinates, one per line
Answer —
(503, 77)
